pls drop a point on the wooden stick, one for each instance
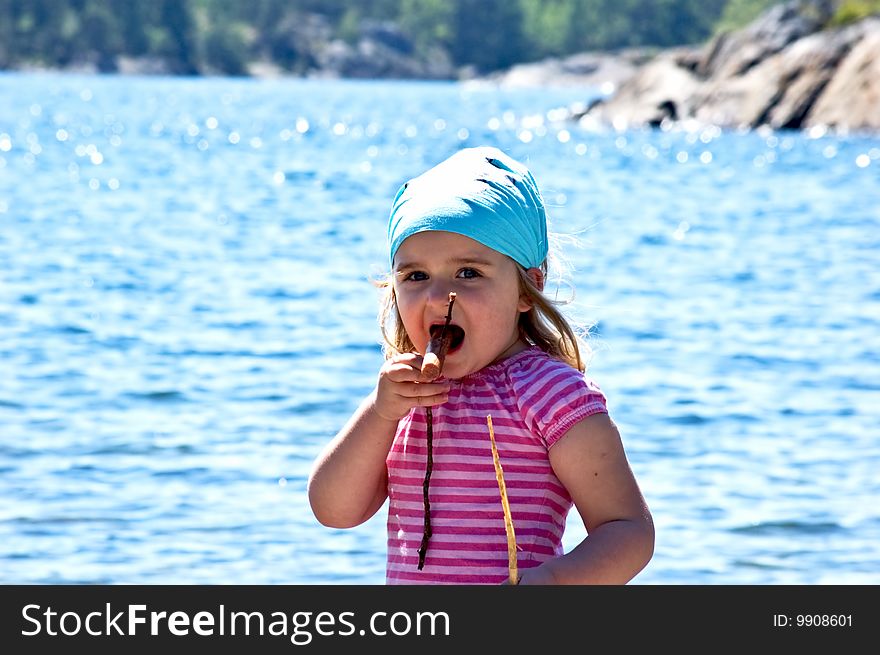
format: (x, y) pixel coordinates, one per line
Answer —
(432, 367)
(505, 505)
(435, 352)
(429, 465)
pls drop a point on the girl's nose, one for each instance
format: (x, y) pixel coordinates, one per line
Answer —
(438, 295)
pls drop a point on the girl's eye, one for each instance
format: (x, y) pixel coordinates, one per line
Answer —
(468, 273)
(415, 276)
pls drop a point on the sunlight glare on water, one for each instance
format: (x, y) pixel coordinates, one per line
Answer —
(187, 317)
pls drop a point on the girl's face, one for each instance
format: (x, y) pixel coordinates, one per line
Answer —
(427, 266)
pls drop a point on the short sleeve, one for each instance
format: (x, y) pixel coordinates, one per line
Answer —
(555, 396)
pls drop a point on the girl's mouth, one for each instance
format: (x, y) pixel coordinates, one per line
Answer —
(455, 333)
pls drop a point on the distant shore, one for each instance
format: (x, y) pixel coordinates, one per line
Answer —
(787, 70)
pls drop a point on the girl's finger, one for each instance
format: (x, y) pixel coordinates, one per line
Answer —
(408, 370)
(431, 401)
(407, 358)
(422, 389)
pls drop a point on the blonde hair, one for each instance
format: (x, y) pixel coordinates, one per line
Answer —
(543, 325)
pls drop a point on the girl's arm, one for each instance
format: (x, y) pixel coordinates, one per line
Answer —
(590, 461)
(349, 479)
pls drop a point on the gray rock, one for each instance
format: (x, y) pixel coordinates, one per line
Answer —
(851, 100)
(142, 66)
(734, 53)
(783, 71)
(381, 51)
(661, 90)
(777, 91)
(606, 71)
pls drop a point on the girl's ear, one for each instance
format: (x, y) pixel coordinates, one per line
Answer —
(536, 275)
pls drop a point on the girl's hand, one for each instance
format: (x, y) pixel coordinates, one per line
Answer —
(401, 387)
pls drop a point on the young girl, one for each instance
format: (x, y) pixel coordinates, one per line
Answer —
(475, 225)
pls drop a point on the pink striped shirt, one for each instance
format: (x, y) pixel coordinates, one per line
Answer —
(533, 400)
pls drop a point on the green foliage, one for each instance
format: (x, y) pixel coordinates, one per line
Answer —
(179, 49)
(99, 34)
(547, 26)
(853, 10)
(428, 22)
(558, 27)
(226, 48)
(193, 36)
(131, 30)
(487, 34)
(739, 13)
(349, 24)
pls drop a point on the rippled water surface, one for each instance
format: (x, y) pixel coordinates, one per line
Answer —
(186, 317)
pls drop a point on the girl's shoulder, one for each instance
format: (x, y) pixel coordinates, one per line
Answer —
(552, 395)
(534, 368)
(533, 374)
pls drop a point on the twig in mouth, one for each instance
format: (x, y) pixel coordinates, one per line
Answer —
(438, 344)
(435, 353)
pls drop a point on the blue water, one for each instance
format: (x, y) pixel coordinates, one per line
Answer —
(186, 317)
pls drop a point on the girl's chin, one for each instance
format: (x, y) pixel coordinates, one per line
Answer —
(454, 370)
(451, 370)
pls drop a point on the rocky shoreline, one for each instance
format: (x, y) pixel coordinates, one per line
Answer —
(785, 71)
(604, 71)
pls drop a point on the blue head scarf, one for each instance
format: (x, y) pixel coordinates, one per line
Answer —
(480, 193)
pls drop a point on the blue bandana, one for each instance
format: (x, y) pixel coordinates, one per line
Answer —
(480, 193)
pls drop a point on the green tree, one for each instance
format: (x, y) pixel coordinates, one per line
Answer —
(132, 24)
(739, 13)
(486, 33)
(179, 46)
(6, 34)
(37, 30)
(601, 25)
(427, 22)
(226, 48)
(853, 10)
(99, 34)
(547, 27)
(228, 34)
